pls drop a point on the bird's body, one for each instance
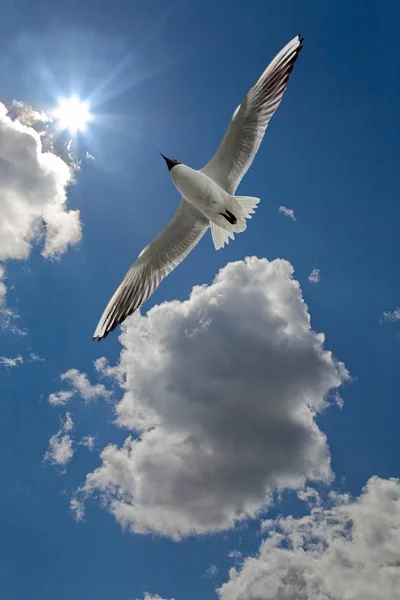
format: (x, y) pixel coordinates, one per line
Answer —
(223, 210)
(199, 190)
(208, 195)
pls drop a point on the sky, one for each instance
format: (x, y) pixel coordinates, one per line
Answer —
(238, 438)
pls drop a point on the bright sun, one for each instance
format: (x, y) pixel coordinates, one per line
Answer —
(72, 114)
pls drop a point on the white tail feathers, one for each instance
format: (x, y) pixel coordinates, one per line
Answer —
(233, 220)
(220, 236)
(248, 204)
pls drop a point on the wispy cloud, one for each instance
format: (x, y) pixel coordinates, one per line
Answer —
(211, 572)
(61, 450)
(88, 441)
(77, 509)
(81, 387)
(314, 276)
(3, 288)
(288, 212)
(236, 556)
(8, 319)
(391, 316)
(7, 315)
(35, 357)
(148, 596)
(60, 398)
(11, 362)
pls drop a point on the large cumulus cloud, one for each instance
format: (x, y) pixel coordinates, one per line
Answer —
(220, 394)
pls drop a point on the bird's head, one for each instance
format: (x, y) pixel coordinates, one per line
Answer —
(171, 162)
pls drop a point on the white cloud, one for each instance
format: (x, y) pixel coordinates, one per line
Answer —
(35, 357)
(222, 392)
(391, 316)
(81, 386)
(11, 362)
(148, 596)
(310, 496)
(211, 572)
(104, 369)
(88, 441)
(60, 398)
(314, 276)
(7, 316)
(68, 423)
(347, 550)
(77, 509)
(3, 288)
(33, 201)
(61, 449)
(236, 556)
(32, 193)
(288, 212)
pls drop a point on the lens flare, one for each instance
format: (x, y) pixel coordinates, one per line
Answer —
(72, 114)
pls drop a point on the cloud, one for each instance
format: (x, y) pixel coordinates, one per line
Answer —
(236, 556)
(7, 316)
(288, 212)
(32, 195)
(211, 572)
(349, 549)
(3, 288)
(220, 394)
(314, 276)
(104, 369)
(11, 362)
(47, 130)
(391, 316)
(148, 596)
(35, 357)
(61, 448)
(33, 199)
(88, 441)
(60, 398)
(77, 509)
(81, 386)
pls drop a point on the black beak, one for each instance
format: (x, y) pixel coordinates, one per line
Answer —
(170, 163)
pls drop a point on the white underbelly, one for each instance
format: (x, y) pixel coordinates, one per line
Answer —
(198, 189)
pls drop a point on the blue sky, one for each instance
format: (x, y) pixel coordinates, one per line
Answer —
(166, 77)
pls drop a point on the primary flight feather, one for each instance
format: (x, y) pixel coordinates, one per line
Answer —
(208, 198)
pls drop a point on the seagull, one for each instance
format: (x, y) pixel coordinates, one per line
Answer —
(208, 195)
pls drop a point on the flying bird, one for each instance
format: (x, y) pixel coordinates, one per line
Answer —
(208, 195)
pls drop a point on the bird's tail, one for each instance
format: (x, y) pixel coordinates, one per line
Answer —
(232, 219)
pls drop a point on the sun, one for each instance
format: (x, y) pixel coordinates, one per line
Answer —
(72, 114)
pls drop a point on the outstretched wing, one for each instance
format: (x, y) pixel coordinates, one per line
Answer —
(154, 263)
(250, 120)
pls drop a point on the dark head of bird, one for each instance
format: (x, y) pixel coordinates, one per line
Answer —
(171, 162)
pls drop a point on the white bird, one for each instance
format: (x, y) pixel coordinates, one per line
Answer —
(208, 198)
